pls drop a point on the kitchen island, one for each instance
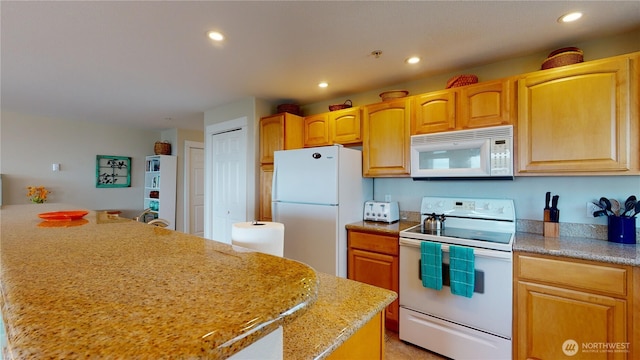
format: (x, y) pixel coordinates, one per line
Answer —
(103, 286)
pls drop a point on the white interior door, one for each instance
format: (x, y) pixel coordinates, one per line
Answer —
(194, 188)
(229, 182)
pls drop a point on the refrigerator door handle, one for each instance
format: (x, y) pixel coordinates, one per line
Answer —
(274, 181)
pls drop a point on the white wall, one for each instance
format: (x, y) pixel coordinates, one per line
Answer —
(30, 144)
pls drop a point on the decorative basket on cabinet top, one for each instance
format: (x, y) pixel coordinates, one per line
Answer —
(162, 148)
(562, 57)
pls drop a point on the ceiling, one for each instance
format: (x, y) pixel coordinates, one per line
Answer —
(149, 63)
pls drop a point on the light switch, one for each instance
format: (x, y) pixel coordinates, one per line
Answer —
(55, 167)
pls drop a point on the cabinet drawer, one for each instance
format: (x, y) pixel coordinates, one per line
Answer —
(575, 274)
(374, 242)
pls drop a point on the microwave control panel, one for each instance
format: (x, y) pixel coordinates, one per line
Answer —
(501, 159)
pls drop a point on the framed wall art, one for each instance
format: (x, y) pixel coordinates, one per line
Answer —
(113, 171)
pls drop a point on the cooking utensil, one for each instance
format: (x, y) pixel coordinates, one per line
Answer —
(598, 213)
(637, 209)
(547, 199)
(605, 204)
(615, 207)
(629, 204)
(554, 213)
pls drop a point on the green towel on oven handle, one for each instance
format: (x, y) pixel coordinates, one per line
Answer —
(462, 270)
(431, 265)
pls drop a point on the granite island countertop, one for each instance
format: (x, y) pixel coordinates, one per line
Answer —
(107, 287)
(343, 307)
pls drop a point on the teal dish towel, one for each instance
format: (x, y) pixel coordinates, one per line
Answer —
(462, 270)
(431, 268)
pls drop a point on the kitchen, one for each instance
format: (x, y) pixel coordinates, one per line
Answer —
(526, 192)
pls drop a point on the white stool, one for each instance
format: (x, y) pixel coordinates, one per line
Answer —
(263, 236)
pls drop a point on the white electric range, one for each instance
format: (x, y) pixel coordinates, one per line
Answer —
(456, 326)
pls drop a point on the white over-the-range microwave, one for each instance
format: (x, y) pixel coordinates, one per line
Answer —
(485, 153)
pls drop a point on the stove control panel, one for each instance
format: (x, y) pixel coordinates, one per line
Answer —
(383, 211)
(493, 209)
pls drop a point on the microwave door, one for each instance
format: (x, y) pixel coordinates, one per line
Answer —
(452, 159)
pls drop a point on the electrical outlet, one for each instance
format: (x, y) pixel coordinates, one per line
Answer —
(591, 208)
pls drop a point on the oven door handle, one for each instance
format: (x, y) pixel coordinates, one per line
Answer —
(476, 251)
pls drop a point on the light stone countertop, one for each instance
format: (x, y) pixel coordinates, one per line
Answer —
(106, 287)
(342, 308)
(579, 248)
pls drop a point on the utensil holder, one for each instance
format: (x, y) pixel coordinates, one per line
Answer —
(622, 229)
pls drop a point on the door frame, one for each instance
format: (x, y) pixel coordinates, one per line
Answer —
(187, 181)
(210, 131)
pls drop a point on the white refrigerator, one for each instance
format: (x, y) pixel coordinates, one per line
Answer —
(316, 192)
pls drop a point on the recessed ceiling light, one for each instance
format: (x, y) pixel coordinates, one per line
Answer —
(570, 17)
(413, 60)
(216, 36)
(323, 84)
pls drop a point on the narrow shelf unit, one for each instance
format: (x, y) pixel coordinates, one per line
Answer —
(160, 187)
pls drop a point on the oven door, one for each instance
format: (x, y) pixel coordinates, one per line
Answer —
(488, 310)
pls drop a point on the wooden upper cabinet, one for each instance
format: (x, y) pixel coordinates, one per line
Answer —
(335, 127)
(345, 126)
(434, 112)
(386, 139)
(281, 131)
(579, 119)
(480, 105)
(316, 130)
(486, 104)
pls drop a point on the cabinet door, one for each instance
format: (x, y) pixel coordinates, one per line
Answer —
(380, 270)
(434, 112)
(577, 119)
(486, 104)
(266, 180)
(271, 137)
(554, 323)
(316, 130)
(386, 139)
(345, 126)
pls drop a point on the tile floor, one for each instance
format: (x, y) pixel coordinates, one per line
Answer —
(395, 349)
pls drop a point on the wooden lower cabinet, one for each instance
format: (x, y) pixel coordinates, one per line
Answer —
(572, 308)
(373, 259)
(366, 343)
